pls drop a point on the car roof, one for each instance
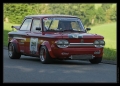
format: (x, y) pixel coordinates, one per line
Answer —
(49, 15)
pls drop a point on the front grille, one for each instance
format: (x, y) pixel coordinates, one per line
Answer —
(80, 44)
(77, 57)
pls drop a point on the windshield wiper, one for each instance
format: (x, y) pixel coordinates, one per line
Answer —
(50, 24)
(72, 31)
(50, 30)
(66, 30)
(78, 31)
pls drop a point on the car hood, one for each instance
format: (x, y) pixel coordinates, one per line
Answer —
(72, 35)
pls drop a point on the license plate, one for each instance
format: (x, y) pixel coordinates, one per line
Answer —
(77, 57)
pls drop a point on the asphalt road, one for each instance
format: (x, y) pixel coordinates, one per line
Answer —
(31, 70)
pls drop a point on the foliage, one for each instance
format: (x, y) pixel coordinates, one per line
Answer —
(15, 13)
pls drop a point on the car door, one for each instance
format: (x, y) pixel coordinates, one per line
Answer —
(24, 29)
(32, 46)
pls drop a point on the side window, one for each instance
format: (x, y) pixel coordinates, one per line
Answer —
(36, 23)
(26, 25)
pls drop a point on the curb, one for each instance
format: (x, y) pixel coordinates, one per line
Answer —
(103, 61)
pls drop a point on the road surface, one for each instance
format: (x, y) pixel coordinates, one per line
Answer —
(31, 70)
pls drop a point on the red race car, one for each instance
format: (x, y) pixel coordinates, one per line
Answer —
(50, 37)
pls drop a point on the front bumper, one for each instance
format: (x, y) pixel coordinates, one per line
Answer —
(66, 53)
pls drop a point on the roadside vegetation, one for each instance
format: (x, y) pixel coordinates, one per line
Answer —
(110, 36)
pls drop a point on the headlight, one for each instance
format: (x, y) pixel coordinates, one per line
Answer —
(96, 42)
(99, 43)
(62, 43)
(65, 42)
(102, 42)
(59, 42)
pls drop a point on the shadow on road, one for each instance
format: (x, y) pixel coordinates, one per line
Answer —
(65, 62)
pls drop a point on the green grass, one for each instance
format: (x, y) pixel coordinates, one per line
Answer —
(110, 37)
(106, 30)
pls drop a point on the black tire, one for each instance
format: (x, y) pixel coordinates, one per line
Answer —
(12, 52)
(44, 55)
(96, 60)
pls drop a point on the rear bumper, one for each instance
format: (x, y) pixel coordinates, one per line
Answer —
(65, 53)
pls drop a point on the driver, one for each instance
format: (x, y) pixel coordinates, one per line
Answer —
(64, 25)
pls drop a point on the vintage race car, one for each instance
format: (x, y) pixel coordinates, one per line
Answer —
(51, 37)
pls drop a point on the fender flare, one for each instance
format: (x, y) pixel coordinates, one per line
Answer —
(47, 44)
(15, 43)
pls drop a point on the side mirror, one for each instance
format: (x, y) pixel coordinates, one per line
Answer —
(12, 26)
(88, 29)
(38, 28)
(16, 27)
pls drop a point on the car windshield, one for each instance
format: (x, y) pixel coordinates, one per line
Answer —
(63, 24)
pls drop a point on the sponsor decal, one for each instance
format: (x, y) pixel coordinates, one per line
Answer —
(33, 45)
(75, 35)
(82, 41)
(97, 52)
(19, 38)
(21, 50)
(21, 41)
(45, 19)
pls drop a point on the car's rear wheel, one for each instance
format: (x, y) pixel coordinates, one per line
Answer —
(12, 52)
(96, 60)
(44, 55)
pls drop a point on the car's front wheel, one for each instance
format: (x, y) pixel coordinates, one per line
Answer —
(95, 60)
(12, 52)
(44, 55)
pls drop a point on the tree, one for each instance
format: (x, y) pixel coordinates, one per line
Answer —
(113, 14)
(16, 12)
(100, 15)
(106, 6)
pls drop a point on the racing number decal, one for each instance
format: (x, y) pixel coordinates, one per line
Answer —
(33, 45)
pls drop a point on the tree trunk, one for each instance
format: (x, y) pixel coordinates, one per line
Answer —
(92, 22)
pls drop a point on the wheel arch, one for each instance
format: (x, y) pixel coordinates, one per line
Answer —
(15, 43)
(47, 44)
